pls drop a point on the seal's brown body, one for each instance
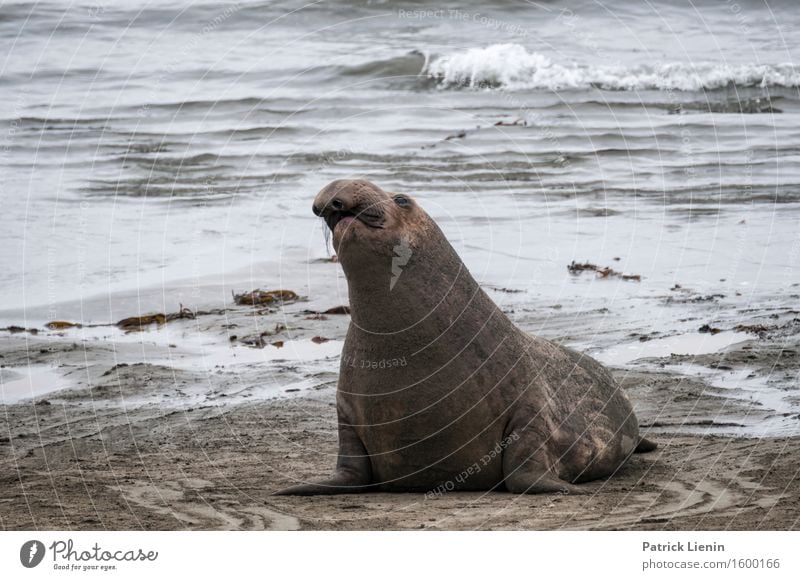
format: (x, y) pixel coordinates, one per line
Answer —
(438, 389)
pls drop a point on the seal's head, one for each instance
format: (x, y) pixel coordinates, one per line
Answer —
(366, 221)
(399, 266)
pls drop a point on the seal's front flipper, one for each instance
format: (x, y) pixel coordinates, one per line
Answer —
(541, 482)
(353, 470)
(645, 445)
(341, 482)
(526, 471)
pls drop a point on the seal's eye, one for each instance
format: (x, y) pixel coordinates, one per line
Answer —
(402, 200)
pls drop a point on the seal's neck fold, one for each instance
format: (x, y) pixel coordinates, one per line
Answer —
(423, 285)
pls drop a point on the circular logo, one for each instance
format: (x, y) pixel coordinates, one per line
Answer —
(31, 553)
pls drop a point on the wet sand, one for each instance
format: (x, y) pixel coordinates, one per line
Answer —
(191, 427)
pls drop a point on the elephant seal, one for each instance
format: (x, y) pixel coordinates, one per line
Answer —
(438, 389)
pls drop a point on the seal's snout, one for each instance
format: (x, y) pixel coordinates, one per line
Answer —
(334, 204)
(324, 205)
(334, 210)
(335, 198)
(346, 200)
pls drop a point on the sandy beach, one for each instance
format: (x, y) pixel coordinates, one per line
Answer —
(191, 425)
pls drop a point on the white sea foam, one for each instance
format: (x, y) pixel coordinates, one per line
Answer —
(512, 66)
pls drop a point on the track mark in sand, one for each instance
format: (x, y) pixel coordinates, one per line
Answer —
(196, 504)
(169, 499)
(677, 499)
(690, 500)
(279, 521)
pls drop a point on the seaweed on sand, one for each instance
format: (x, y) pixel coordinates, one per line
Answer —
(576, 268)
(264, 297)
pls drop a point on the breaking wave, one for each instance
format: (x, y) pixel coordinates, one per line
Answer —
(511, 66)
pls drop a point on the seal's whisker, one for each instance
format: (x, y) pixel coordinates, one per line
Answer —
(326, 232)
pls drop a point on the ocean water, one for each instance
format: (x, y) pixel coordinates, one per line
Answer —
(148, 143)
